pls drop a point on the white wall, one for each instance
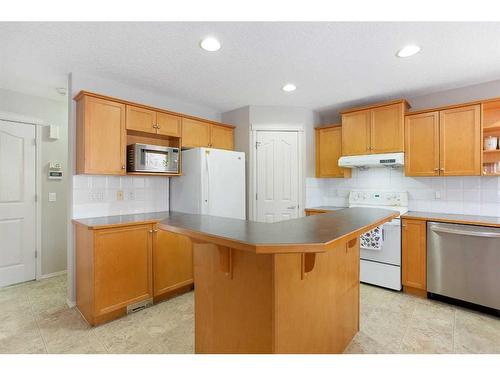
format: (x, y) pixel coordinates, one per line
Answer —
(96, 195)
(459, 195)
(54, 214)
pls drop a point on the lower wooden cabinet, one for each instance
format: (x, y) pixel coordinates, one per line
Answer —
(121, 266)
(414, 256)
(113, 270)
(172, 263)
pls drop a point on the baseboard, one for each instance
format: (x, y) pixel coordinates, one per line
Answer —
(53, 274)
(70, 304)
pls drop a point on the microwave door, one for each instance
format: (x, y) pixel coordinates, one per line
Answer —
(156, 160)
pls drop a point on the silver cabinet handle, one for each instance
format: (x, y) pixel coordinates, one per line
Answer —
(465, 232)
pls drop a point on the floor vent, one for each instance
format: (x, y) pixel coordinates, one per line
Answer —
(138, 306)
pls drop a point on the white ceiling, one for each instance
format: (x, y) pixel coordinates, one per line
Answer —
(332, 64)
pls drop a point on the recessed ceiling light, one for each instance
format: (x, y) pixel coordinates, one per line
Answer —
(210, 44)
(289, 87)
(408, 51)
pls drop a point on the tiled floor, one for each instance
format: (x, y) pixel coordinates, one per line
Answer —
(34, 318)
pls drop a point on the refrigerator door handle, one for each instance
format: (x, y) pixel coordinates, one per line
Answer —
(207, 168)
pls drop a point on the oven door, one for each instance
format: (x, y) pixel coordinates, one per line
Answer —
(390, 251)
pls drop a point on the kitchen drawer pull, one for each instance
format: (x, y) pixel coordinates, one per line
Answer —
(465, 232)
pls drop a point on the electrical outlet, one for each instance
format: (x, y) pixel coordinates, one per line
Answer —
(119, 195)
(437, 194)
(131, 195)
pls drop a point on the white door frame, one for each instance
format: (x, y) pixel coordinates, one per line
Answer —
(13, 117)
(252, 184)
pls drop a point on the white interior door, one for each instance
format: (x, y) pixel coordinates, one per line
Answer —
(17, 203)
(277, 176)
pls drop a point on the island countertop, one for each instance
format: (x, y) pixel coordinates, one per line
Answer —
(307, 234)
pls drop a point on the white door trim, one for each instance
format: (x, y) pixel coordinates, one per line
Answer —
(13, 117)
(252, 157)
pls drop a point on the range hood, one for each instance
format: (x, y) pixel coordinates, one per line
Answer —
(396, 159)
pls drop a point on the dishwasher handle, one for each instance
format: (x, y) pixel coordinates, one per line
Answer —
(437, 228)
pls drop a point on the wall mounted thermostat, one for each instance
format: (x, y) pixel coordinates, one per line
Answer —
(55, 171)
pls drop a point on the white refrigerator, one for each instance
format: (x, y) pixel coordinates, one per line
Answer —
(212, 183)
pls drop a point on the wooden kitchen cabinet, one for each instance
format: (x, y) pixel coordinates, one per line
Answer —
(113, 270)
(167, 124)
(195, 133)
(356, 133)
(100, 136)
(141, 119)
(204, 134)
(328, 152)
(374, 129)
(153, 122)
(422, 144)
(444, 143)
(460, 141)
(221, 137)
(414, 256)
(172, 264)
(387, 128)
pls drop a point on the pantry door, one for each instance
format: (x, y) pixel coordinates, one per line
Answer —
(17, 203)
(277, 176)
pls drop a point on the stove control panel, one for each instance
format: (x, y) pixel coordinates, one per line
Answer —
(378, 198)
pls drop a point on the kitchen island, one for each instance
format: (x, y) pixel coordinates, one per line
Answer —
(286, 287)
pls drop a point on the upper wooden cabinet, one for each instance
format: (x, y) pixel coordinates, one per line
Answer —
(444, 143)
(387, 128)
(195, 133)
(374, 129)
(356, 133)
(100, 136)
(167, 124)
(221, 137)
(414, 256)
(328, 152)
(204, 134)
(422, 144)
(460, 141)
(153, 122)
(141, 119)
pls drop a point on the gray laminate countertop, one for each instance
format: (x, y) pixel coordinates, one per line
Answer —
(305, 234)
(121, 220)
(489, 221)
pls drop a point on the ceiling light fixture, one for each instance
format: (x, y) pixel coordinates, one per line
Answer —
(210, 44)
(408, 51)
(289, 87)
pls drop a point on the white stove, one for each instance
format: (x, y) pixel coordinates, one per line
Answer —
(380, 250)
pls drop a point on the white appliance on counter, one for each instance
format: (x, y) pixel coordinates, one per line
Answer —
(380, 249)
(396, 159)
(212, 183)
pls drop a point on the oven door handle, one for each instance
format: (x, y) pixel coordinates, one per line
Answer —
(461, 232)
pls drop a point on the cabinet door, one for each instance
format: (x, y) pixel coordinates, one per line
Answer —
(328, 152)
(387, 129)
(141, 119)
(168, 124)
(460, 141)
(101, 138)
(195, 133)
(122, 267)
(173, 262)
(422, 144)
(221, 137)
(356, 133)
(414, 254)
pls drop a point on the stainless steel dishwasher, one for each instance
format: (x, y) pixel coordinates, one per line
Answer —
(463, 262)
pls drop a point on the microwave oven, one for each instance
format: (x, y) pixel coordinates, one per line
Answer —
(152, 158)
